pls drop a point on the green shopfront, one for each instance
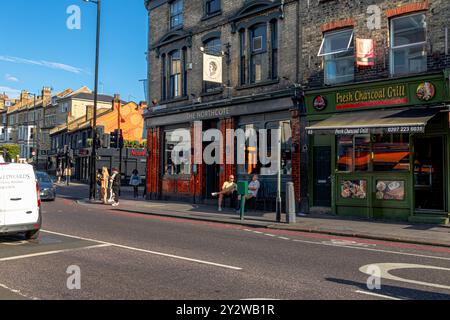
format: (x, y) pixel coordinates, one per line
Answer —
(381, 149)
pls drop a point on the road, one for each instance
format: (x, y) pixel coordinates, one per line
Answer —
(123, 255)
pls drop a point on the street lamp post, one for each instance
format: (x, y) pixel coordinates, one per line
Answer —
(92, 194)
(35, 130)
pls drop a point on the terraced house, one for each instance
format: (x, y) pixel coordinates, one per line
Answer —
(255, 49)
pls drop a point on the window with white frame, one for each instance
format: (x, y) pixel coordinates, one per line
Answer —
(408, 44)
(338, 52)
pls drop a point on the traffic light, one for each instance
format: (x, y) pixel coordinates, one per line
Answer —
(121, 139)
(115, 139)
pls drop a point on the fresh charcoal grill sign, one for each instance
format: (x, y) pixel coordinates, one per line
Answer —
(391, 95)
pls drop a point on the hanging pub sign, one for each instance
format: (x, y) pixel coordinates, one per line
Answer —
(212, 68)
(365, 54)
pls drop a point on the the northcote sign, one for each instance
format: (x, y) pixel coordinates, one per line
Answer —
(388, 95)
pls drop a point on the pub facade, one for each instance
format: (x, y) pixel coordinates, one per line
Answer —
(257, 91)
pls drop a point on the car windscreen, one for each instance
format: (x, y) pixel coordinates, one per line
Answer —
(43, 178)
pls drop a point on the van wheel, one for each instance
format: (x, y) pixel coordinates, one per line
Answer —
(32, 235)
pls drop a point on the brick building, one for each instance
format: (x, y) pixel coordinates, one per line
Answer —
(376, 82)
(72, 141)
(258, 41)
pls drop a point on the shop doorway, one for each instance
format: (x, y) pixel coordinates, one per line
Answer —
(429, 173)
(322, 176)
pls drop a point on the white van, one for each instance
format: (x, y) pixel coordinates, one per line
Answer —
(20, 202)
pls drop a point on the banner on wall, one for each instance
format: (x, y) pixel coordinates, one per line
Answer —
(365, 53)
(212, 68)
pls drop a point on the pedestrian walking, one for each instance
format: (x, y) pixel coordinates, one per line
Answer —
(104, 185)
(135, 181)
(68, 174)
(99, 179)
(59, 173)
(116, 181)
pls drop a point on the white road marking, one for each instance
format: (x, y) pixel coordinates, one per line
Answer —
(146, 251)
(47, 253)
(270, 235)
(385, 268)
(360, 246)
(17, 292)
(375, 250)
(345, 243)
(283, 238)
(377, 295)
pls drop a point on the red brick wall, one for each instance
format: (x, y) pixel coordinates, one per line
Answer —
(407, 8)
(153, 162)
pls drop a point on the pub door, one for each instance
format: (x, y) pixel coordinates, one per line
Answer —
(212, 171)
(322, 176)
(429, 173)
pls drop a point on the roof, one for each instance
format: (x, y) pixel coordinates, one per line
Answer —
(90, 97)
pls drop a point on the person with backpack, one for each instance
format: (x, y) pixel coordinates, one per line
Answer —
(135, 181)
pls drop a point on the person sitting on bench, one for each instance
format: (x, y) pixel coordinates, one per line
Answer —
(253, 188)
(229, 189)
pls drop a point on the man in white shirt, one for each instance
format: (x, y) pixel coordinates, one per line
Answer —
(253, 188)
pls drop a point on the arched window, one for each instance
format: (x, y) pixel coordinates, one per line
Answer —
(175, 72)
(259, 58)
(259, 53)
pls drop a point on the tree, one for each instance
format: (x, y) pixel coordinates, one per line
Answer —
(11, 151)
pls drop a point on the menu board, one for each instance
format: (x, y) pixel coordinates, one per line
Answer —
(390, 190)
(354, 189)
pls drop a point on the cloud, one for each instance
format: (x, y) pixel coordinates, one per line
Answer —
(11, 78)
(10, 92)
(43, 63)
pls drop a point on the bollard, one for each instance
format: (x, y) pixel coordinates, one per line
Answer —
(290, 203)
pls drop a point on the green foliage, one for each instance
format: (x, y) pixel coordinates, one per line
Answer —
(134, 144)
(11, 151)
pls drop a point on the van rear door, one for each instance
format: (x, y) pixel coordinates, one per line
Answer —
(20, 199)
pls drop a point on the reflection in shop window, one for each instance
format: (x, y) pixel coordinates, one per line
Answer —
(253, 164)
(362, 153)
(286, 145)
(391, 152)
(345, 153)
(170, 168)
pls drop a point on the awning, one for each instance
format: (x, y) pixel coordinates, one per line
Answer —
(411, 120)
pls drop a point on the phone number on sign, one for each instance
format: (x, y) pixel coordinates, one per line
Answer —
(406, 130)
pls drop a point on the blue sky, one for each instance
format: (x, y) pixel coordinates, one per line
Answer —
(38, 49)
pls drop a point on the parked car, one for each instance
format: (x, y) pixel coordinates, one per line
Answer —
(46, 186)
(20, 202)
